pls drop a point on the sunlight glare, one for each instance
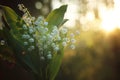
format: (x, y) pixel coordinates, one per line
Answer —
(110, 18)
(90, 16)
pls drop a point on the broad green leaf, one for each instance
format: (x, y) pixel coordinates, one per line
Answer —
(10, 16)
(55, 18)
(12, 20)
(64, 21)
(55, 64)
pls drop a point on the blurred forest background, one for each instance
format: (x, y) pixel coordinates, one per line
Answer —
(97, 53)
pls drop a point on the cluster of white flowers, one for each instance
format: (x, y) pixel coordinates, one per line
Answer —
(49, 40)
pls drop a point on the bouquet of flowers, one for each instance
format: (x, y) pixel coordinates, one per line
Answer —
(38, 44)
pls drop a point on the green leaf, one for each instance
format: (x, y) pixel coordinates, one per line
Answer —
(64, 21)
(55, 18)
(10, 16)
(12, 20)
(55, 64)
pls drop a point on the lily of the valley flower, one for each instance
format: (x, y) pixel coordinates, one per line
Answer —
(37, 33)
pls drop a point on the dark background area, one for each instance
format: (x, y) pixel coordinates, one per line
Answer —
(30, 4)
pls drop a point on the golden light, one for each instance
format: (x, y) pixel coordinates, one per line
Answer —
(110, 18)
(90, 16)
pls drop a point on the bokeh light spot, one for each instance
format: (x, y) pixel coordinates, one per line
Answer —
(38, 5)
